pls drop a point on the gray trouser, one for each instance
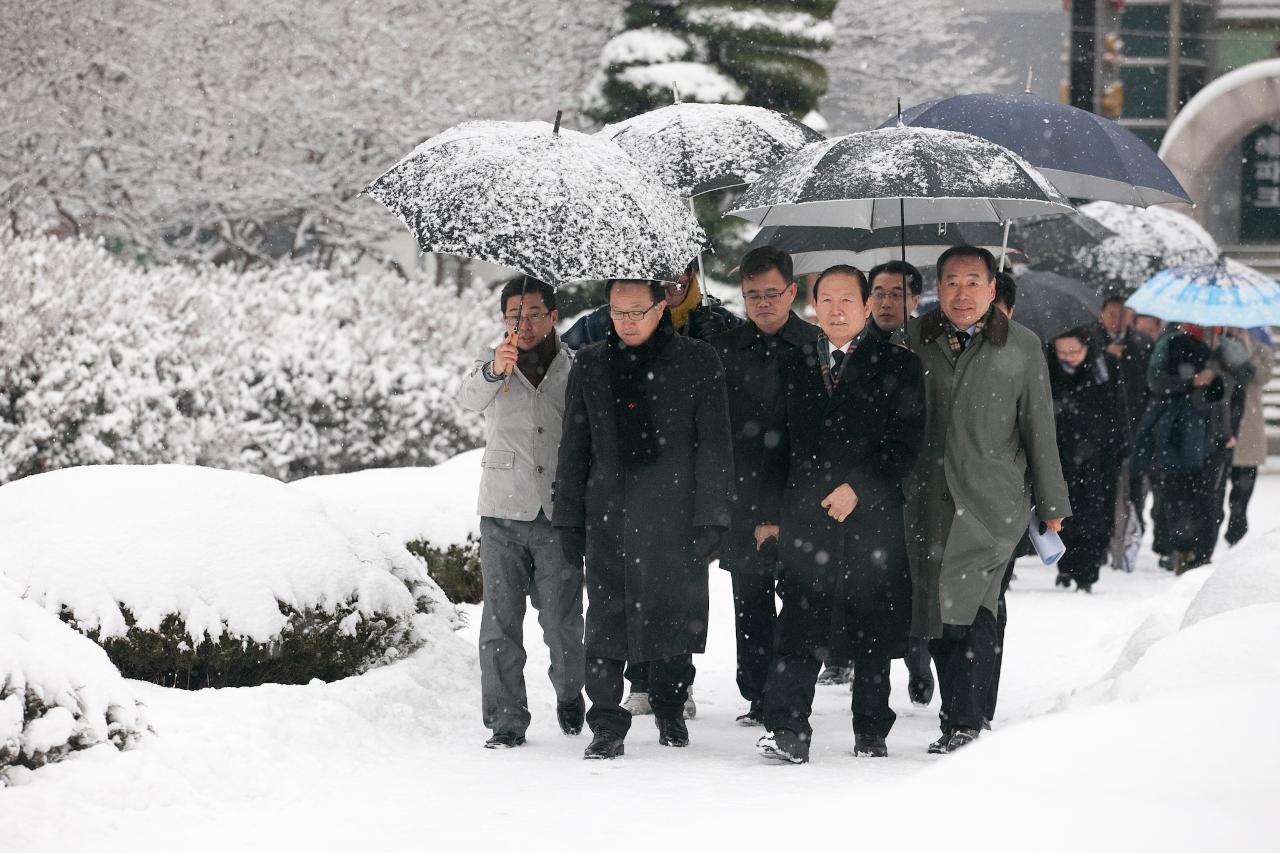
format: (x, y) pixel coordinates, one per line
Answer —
(519, 560)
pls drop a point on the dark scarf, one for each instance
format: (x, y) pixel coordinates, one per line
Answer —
(629, 373)
(535, 362)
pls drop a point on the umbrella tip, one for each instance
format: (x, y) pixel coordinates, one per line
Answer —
(675, 92)
(1030, 71)
(900, 124)
(556, 130)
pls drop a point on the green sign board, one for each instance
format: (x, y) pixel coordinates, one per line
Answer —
(1260, 185)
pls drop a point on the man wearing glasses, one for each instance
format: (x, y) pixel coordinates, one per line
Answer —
(642, 491)
(520, 388)
(750, 355)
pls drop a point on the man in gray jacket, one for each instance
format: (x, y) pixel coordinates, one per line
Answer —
(520, 388)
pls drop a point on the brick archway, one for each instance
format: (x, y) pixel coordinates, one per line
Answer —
(1214, 122)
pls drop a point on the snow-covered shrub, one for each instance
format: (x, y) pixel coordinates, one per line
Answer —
(456, 568)
(193, 576)
(58, 691)
(288, 371)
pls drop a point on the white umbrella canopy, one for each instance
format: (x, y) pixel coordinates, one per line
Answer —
(554, 204)
(1222, 293)
(699, 148)
(899, 176)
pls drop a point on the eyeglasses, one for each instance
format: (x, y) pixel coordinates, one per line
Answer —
(635, 316)
(512, 320)
(767, 296)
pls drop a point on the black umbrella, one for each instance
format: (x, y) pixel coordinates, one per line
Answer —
(1053, 242)
(555, 204)
(1050, 304)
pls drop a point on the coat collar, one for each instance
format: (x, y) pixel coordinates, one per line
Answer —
(796, 332)
(934, 325)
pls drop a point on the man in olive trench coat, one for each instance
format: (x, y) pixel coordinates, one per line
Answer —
(642, 491)
(990, 453)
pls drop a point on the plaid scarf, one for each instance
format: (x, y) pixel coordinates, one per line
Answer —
(954, 342)
(830, 377)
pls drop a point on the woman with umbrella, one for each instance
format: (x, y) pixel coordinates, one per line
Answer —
(1088, 406)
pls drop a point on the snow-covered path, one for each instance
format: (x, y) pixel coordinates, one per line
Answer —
(392, 759)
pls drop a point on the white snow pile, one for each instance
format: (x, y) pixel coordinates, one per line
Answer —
(646, 45)
(1146, 241)
(58, 691)
(182, 568)
(435, 504)
(694, 81)
(750, 24)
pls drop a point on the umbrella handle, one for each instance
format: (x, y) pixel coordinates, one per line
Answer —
(702, 278)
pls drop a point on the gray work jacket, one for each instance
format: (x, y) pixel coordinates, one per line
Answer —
(522, 436)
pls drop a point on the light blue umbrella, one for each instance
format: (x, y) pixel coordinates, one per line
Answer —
(1224, 293)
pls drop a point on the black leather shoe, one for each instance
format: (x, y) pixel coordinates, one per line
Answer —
(604, 746)
(504, 740)
(571, 715)
(870, 746)
(961, 738)
(672, 731)
(939, 746)
(784, 745)
(753, 717)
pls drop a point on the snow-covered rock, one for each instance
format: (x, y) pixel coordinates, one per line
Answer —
(58, 690)
(218, 576)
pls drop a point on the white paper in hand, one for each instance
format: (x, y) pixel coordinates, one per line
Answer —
(1048, 545)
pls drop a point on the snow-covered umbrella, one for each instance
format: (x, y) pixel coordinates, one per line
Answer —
(899, 176)
(1143, 242)
(1057, 239)
(699, 148)
(1084, 155)
(1222, 293)
(554, 204)
(815, 248)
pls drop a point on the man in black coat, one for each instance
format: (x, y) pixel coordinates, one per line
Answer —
(750, 355)
(847, 430)
(642, 486)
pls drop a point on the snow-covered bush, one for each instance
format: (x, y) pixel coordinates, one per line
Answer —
(58, 691)
(193, 576)
(288, 371)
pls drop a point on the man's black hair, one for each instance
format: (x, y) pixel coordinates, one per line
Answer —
(968, 252)
(764, 258)
(1083, 334)
(844, 269)
(530, 286)
(1115, 297)
(911, 275)
(1006, 289)
(655, 287)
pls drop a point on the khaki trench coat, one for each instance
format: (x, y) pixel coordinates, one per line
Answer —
(1251, 445)
(990, 452)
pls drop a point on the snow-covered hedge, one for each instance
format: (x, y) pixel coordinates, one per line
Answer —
(288, 372)
(197, 577)
(58, 691)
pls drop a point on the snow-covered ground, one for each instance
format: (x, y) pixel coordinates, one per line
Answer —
(1141, 717)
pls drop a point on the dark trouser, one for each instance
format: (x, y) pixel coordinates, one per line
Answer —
(638, 675)
(1243, 480)
(669, 681)
(965, 656)
(1002, 619)
(1193, 507)
(917, 660)
(804, 636)
(522, 561)
(755, 618)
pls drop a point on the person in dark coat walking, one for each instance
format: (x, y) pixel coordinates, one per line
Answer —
(642, 492)
(750, 355)
(1089, 410)
(847, 429)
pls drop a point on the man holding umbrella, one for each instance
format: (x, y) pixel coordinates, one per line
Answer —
(645, 471)
(989, 447)
(520, 388)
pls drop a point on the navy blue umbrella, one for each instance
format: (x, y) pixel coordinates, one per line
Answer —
(1085, 156)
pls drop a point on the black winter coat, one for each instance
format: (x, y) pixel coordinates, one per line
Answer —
(868, 434)
(751, 365)
(647, 590)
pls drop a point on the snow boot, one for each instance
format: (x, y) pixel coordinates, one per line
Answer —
(784, 745)
(504, 740)
(835, 675)
(753, 717)
(604, 746)
(637, 704)
(571, 715)
(871, 746)
(672, 731)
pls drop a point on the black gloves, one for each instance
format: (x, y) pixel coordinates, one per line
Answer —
(705, 323)
(573, 544)
(707, 541)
